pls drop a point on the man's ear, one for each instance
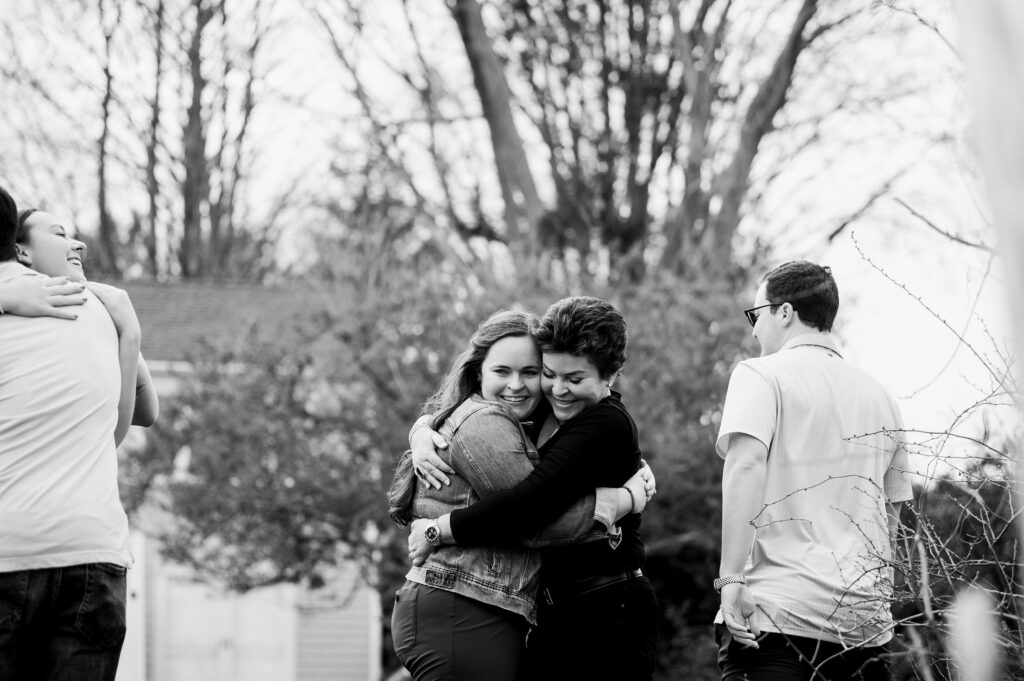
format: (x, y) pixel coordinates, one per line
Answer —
(22, 255)
(788, 314)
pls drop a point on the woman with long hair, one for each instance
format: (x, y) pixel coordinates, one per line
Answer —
(463, 613)
(598, 613)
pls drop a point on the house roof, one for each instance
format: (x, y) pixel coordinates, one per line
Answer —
(174, 316)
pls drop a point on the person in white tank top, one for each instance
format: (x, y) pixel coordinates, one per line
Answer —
(67, 395)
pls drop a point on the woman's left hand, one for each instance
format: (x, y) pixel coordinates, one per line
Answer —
(650, 484)
(419, 548)
(426, 464)
(642, 487)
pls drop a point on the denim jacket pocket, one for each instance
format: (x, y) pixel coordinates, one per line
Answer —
(495, 564)
(101, 615)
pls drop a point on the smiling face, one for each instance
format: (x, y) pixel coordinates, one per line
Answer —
(572, 384)
(47, 248)
(510, 375)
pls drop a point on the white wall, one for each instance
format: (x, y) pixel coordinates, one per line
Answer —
(181, 629)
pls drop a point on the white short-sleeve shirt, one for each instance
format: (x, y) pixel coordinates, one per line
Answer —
(59, 390)
(818, 566)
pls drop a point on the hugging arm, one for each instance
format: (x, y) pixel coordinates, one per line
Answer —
(424, 442)
(494, 456)
(610, 503)
(570, 469)
(129, 342)
(147, 406)
(39, 296)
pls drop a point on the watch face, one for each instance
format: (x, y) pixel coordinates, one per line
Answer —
(431, 534)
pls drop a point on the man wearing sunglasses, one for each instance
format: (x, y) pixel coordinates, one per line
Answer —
(814, 473)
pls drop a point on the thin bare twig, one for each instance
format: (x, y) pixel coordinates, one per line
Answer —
(949, 235)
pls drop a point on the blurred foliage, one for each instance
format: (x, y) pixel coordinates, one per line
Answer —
(273, 459)
(959, 532)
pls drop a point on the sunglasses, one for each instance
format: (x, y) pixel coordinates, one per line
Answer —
(751, 317)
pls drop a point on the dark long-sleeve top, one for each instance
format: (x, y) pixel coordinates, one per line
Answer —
(597, 448)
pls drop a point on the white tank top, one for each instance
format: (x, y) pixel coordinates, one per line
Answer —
(59, 390)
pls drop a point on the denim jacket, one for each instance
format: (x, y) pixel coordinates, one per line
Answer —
(489, 451)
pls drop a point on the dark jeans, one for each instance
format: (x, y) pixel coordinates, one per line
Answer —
(442, 636)
(608, 634)
(62, 624)
(781, 657)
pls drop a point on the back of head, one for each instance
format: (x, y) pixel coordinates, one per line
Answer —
(583, 326)
(8, 226)
(463, 379)
(809, 288)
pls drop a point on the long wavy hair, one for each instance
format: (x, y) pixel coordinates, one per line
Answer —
(461, 381)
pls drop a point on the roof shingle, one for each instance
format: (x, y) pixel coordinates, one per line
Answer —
(175, 316)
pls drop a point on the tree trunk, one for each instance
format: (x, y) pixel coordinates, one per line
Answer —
(235, 174)
(523, 209)
(732, 185)
(691, 216)
(195, 188)
(152, 185)
(108, 245)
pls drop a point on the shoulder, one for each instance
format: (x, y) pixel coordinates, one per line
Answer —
(608, 415)
(753, 385)
(757, 369)
(476, 412)
(13, 269)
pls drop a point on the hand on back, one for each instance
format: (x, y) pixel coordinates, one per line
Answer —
(428, 466)
(642, 487)
(43, 297)
(419, 548)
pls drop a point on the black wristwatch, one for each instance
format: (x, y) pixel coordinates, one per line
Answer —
(432, 533)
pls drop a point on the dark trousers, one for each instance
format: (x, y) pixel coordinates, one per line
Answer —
(62, 624)
(607, 634)
(781, 657)
(442, 636)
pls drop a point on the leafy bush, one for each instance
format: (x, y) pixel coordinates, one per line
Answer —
(274, 457)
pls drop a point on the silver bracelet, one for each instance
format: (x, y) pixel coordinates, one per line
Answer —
(728, 579)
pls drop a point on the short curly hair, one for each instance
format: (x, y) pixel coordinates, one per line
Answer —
(587, 327)
(809, 288)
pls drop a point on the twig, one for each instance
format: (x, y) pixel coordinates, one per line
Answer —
(935, 314)
(949, 235)
(970, 316)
